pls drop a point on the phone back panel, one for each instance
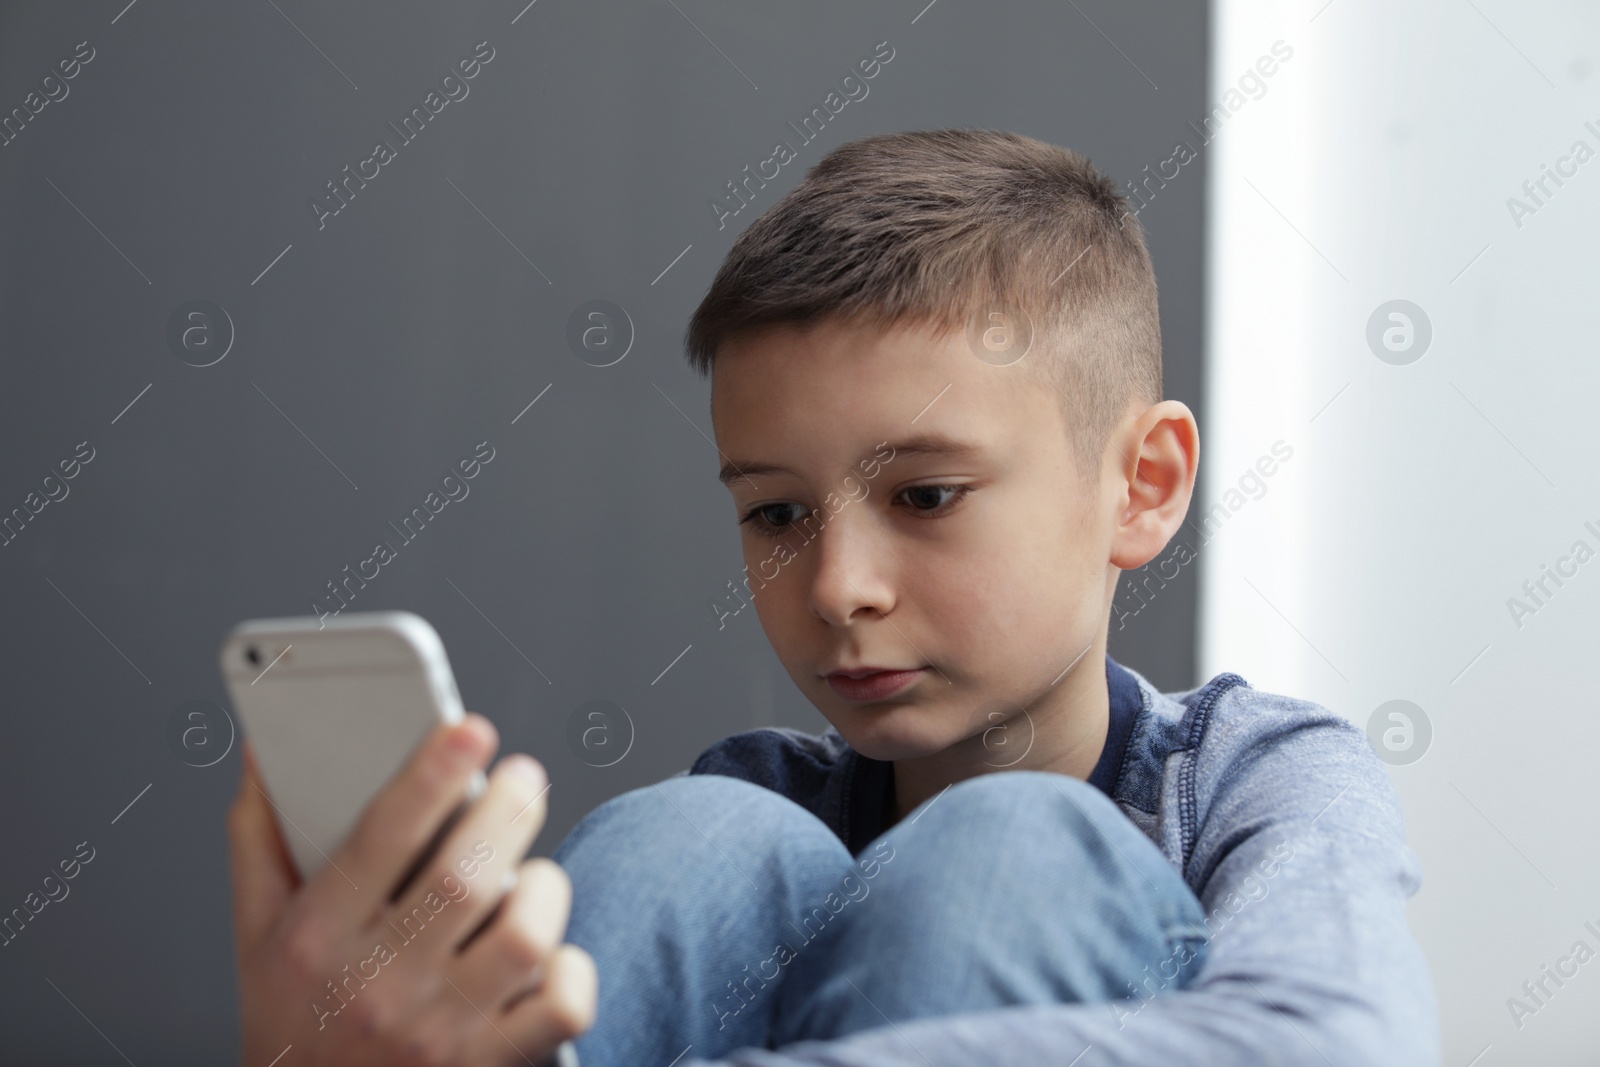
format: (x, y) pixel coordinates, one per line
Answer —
(333, 712)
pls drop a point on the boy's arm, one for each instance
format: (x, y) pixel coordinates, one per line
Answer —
(1311, 960)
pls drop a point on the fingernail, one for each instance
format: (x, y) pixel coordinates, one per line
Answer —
(464, 737)
(529, 768)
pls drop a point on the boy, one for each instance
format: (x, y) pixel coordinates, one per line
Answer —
(937, 402)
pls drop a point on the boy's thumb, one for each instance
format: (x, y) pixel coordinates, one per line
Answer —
(264, 876)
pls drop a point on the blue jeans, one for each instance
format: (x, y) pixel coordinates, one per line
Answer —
(721, 914)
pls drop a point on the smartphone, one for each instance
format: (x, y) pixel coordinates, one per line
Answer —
(333, 708)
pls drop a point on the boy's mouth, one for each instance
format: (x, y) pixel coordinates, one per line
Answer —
(873, 683)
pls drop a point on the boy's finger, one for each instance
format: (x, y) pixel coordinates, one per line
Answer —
(489, 841)
(401, 820)
(517, 944)
(562, 1009)
(263, 874)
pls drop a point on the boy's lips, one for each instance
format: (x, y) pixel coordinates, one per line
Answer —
(872, 683)
(862, 672)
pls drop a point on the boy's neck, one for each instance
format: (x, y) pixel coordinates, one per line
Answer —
(1069, 727)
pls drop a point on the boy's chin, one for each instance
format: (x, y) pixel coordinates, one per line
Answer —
(894, 733)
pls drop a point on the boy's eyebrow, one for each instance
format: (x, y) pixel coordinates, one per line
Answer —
(925, 444)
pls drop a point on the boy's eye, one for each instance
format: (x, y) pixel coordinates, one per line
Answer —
(770, 520)
(762, 521)
(926, 497)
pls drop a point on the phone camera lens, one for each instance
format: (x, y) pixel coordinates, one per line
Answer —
(253, 655)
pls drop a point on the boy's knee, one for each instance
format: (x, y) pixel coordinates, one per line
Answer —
(1064, 822)
(705, 807)
(1026, 803)
(1042, 891)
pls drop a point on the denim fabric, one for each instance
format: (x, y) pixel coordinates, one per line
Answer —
(724, 916)
(1273, 811)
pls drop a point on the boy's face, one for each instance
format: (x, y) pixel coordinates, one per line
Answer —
(992, 588)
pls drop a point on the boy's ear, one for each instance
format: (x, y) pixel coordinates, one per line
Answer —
(1157, 458)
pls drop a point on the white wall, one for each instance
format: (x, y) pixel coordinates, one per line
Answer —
(1379, 561)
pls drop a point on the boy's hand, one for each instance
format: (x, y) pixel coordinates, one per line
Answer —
(471, 973)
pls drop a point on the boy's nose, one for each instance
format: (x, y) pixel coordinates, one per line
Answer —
(850, 571)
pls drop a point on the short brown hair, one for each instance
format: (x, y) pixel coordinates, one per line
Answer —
(931, 226)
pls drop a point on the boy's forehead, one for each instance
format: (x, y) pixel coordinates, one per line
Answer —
(766, 380)
(783, 394)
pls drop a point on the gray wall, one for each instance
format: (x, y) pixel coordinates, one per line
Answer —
(378, 350)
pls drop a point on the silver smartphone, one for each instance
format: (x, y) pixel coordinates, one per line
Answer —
(333, 708)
